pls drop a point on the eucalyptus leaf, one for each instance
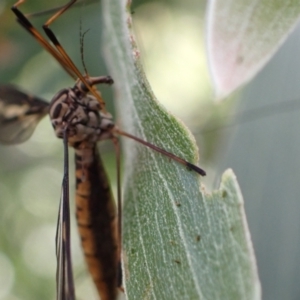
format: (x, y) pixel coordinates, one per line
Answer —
(179, 242)
(243, 35)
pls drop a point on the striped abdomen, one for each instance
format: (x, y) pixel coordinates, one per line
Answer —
(97, 221)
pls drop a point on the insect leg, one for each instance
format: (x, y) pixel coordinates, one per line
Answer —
(64, 273)
(64, 54)
(119, 202)
(40, 39)
(162, 151)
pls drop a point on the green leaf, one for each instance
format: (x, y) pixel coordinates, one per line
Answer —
(178, 241)
(243, 35)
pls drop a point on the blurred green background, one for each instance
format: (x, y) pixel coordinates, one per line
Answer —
(170, 33)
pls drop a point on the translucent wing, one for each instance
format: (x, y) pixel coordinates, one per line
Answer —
(64, 272)
(19, 114)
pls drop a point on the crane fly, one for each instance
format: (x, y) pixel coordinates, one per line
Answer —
(79, 117)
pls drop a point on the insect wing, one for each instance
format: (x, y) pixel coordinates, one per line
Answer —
(64, 272)
(19, 114)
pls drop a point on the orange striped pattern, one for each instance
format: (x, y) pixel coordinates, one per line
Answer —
(97, 220)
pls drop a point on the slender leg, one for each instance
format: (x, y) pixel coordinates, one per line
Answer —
(119, 200)
(162, 151)
(55, 9)
(59, 53)
(59, 13)
(64, 54)
(40, 39)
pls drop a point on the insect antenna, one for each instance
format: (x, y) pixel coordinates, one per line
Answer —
(82, 35)
(62, 51)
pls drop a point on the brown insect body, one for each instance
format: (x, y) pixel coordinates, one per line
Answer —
(97, 221)
(78, 113)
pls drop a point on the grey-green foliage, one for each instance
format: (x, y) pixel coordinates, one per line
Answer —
(243, 35)
(178, 241)
(265, 155)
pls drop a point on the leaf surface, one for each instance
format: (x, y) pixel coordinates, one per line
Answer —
(178, 241)
(243, 35)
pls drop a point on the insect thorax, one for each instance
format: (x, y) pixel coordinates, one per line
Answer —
(79, 114)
